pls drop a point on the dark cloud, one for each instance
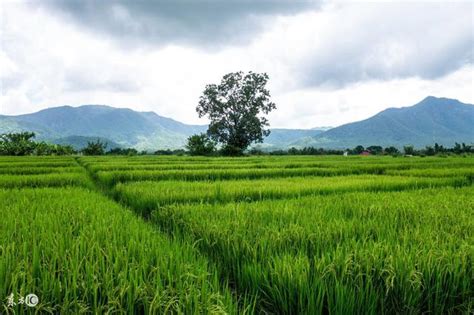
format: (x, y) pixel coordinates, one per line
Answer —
(353, 65)
(393, 41)
(210, 23)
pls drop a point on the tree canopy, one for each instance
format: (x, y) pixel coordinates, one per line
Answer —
(236, 109)
(95, 148)
(200, 145)
(22, 143)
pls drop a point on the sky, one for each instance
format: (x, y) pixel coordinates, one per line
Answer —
(329, 62)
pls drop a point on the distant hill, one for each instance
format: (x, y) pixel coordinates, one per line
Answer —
(285, 138)
(440, 120)
(121, 127)
(432, 120)
(124, 127)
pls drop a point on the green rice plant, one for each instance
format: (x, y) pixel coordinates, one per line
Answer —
(80, 252)
(174, 165)
(45, 180)
(386, 252)
(114, 177)
(34, 161)
(147, 195)
(31, 170)
(200, 166)
(289, 235)
(157, 169)
(69, 163)
(435, 172)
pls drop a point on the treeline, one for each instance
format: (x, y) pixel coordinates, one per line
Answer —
(23, 143)
(458, 148)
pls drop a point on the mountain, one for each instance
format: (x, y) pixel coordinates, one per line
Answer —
(440, 120)
(119, 126)
(285, 138)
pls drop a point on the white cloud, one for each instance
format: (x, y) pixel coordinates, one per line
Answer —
(360, 101)
(342, 63)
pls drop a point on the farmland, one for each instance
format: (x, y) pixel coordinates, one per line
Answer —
(283, 235)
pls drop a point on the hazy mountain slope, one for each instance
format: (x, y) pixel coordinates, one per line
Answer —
(439, 120)
(284, 138)
(144, 130)
(12, 124)
(79, 142)
(121, 126)
(432, 120)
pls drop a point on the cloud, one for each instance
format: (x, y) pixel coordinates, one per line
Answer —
(337, 64)
(205, 23)
(392, 41)
(86, 80)
(311, 107)
(347, 43)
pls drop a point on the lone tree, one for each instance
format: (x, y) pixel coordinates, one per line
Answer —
(200, 145)
(236, 109)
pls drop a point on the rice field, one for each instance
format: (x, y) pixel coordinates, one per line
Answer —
(248, 235)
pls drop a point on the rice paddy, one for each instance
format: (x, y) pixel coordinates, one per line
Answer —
(273, 235)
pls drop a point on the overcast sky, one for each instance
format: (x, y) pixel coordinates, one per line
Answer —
(329, 62)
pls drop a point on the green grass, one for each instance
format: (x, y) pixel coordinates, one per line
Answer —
(113, 177)
(435, 172)
(80, 252)
(32, 170)
(151, 195)
(44, 180)
(264, 234)
(397, 252)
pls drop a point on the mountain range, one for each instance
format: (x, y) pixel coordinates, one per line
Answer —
(433, 120)
(440, 120)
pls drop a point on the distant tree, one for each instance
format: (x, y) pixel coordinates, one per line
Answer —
(256, 151)
(200, 144)
(17, 143)
(293, 151)
(409, 150)
(467, 148)
(391, 150)
(95, 148)
(375, 149)
(429, 150)
(43, 148)
(122, 151)
(358, 149)
(179, 152)
(235, 108)
(164, 152)
(457, 148)
(64, 149)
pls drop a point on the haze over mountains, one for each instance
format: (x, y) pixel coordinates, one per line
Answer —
(440, 120)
